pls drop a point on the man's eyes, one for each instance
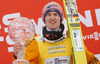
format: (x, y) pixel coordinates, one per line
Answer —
(55, 14)
(48, 14)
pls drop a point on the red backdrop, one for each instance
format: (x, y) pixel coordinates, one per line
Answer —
(89, 12)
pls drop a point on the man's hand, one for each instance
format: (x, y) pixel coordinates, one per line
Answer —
(17, 47)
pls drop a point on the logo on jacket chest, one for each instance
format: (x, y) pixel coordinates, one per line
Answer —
(56, 49)
(58, 60)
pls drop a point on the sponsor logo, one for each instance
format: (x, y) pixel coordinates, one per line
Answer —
(51, 6)
(95, 35)
(62, 38)
(58, 60)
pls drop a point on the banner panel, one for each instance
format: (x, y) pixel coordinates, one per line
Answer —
(89, 13)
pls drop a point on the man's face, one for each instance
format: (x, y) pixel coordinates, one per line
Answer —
(52, 20)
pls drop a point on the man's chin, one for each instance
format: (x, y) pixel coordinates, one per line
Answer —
(53, 28)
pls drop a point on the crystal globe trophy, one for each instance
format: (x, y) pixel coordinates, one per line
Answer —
(21, 30)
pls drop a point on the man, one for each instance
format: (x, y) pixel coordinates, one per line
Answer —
(53, 46)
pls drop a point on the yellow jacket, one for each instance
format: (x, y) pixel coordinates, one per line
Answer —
(33, 54)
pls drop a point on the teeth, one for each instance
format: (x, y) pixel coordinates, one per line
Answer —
(52, 22)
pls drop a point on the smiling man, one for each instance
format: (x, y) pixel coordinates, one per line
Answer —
(53, 46)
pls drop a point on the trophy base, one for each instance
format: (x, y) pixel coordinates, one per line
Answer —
(21, 62)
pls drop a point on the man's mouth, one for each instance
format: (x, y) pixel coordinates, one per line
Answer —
(52, 22)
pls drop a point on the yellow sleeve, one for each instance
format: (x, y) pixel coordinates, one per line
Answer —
(32, 52)
(91, 59)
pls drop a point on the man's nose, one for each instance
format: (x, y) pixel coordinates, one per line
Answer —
(52, 16)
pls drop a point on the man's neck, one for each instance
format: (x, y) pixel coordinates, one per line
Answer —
(52, 30)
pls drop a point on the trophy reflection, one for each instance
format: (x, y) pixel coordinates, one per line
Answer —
(21, 30)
